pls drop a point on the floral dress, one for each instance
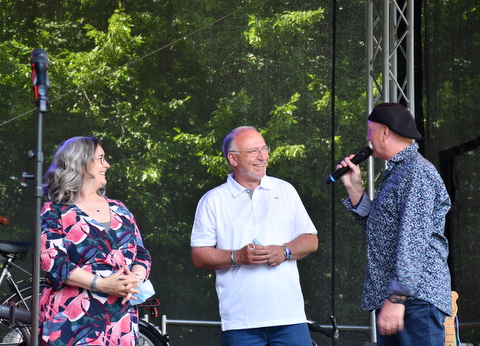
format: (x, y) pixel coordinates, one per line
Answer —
(71, 240)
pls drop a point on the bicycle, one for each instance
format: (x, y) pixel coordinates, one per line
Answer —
(15, 309)
(150, 335)
(331, 333)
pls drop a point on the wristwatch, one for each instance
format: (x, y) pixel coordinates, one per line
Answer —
(287, 252)
(394, 298)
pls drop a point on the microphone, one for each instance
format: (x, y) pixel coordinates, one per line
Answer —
(361, 156)
(40, 80)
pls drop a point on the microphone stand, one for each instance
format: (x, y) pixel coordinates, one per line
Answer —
(37, 230)
(42, 104)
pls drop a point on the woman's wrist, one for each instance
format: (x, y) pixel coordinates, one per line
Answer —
(140, 276)
(93, 283)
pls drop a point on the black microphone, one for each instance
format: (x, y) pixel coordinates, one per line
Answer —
(40, 81)
(361, 156)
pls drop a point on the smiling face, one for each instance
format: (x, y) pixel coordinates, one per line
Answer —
(97, 168)
(249, 168)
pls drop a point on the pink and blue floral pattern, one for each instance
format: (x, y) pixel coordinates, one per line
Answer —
(72, 240)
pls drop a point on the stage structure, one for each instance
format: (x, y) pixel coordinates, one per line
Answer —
(390, 67)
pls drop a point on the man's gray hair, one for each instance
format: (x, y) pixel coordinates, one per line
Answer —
(229, 143)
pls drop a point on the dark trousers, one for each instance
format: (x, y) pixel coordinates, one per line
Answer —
(423, 325)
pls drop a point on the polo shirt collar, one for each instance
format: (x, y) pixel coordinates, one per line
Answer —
(236, 189)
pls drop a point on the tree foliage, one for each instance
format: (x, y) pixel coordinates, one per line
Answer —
(162, 83)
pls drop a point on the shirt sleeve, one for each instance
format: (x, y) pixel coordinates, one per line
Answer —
(415, 229)
(361, 210)
(399, 289)
(54, 259)
(141, 255)
(204, 225)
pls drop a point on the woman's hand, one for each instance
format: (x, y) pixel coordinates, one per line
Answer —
(123, 283)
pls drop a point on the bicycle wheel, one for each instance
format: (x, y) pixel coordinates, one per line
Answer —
(149, 335)
(21, 332)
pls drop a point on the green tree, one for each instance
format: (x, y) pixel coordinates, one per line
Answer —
(162, 83)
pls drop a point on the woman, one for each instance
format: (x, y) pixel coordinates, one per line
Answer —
(92, 253)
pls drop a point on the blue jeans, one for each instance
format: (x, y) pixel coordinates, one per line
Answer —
(423, 325)
(290, 335)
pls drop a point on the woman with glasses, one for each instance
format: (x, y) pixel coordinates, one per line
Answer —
(92, 253)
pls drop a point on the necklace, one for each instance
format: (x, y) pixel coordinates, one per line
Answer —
(98, 205)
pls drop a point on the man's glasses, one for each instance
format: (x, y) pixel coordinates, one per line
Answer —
(101, 158)
(254, 152)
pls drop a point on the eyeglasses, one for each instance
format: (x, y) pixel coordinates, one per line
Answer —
(254, 152)
(101, 158)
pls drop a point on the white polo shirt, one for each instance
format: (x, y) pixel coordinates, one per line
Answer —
(252, 296)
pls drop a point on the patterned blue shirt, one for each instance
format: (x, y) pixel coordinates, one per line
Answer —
(404, 225)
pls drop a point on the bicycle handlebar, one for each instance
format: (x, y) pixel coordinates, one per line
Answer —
(315, 327)
(12, 314)
(4, 221)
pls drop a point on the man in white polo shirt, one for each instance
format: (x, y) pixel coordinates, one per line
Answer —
(252, 230)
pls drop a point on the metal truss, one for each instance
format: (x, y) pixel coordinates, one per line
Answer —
(390, 67)
(390, 60)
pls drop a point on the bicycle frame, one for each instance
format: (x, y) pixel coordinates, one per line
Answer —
(14, 288)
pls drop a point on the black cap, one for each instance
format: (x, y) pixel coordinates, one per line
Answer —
(397, 118)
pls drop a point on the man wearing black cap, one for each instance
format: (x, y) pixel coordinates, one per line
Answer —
(407, 279)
